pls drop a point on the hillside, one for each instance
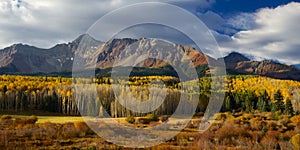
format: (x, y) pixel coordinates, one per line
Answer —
(25, 59)
(238, 64)
(20, 58)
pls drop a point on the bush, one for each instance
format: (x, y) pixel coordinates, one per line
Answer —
(69, 131)
(264, 130)
(5, 117)
(248, 116)
(193, 124)
(229, 132)
(295, 140)
(290, 126)
(153, 117)
(163, 118)
(256, 124)
(277, 115)
(271, 125)
(130, 119)
(144, 120)
(24, 121)
(83, 127)
(199, 114)
(221, 116)
(269, 116)
(20, 121)
(92, 147)
(32, 120)
(296, 120)
(284, 122)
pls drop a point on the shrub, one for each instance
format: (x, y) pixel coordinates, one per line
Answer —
(29, 120)
(270, 116)
(229, 132)
(284, 122)
(80, 125)
(92, 147)
(256, 124)
(69, 131)
(163, 118)
(221, 116)
(277, 115)
(130, 119)
(295, 140)
(248, 116)
(199, 114)
(24, 121)
(24, 133)
(32, 120)
(144, 120)
(237, 114)
(271, 125)
(83, 127)
(290, 126)
(5, 117)
(193, 124)
(20, 121)
(269, 141)
(264, 130)
(153, 117)
(296, 120)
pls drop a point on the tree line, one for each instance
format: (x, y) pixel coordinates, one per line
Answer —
(56, 94)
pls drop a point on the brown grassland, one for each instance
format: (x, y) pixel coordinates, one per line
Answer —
(257, 113)
(229, 131)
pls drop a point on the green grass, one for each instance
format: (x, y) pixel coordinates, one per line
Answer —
(53, 119)
(43, 116)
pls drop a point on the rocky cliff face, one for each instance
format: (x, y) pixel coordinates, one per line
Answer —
(167, 53)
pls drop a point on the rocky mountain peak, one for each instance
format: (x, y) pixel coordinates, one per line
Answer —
(236, 57)
(20, 58)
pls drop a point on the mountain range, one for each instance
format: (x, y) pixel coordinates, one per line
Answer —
(297, 66)
(25, 59)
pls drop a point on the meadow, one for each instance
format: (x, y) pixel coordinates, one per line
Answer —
(42, 113)
(235, 131)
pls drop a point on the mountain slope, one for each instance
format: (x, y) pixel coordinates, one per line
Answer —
(297, 66)
(24, 59)
(21, 58)
(27, 59)
(233, 58)
(123, 49)
(239, 64)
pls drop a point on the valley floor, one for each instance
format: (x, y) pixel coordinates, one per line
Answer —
(234, 131)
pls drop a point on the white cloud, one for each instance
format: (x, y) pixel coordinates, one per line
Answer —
(274, 34)
(215, 22)
(44, 23)
(244, 21)
(270, 33)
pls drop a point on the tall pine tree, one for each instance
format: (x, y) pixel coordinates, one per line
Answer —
(228, 104)
(288, 107)
(278, 104)
(263, 102)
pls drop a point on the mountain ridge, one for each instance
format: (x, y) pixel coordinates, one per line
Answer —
(20, 58)
(297, 66)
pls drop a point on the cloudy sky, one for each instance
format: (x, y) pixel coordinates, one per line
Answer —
(263, 29)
